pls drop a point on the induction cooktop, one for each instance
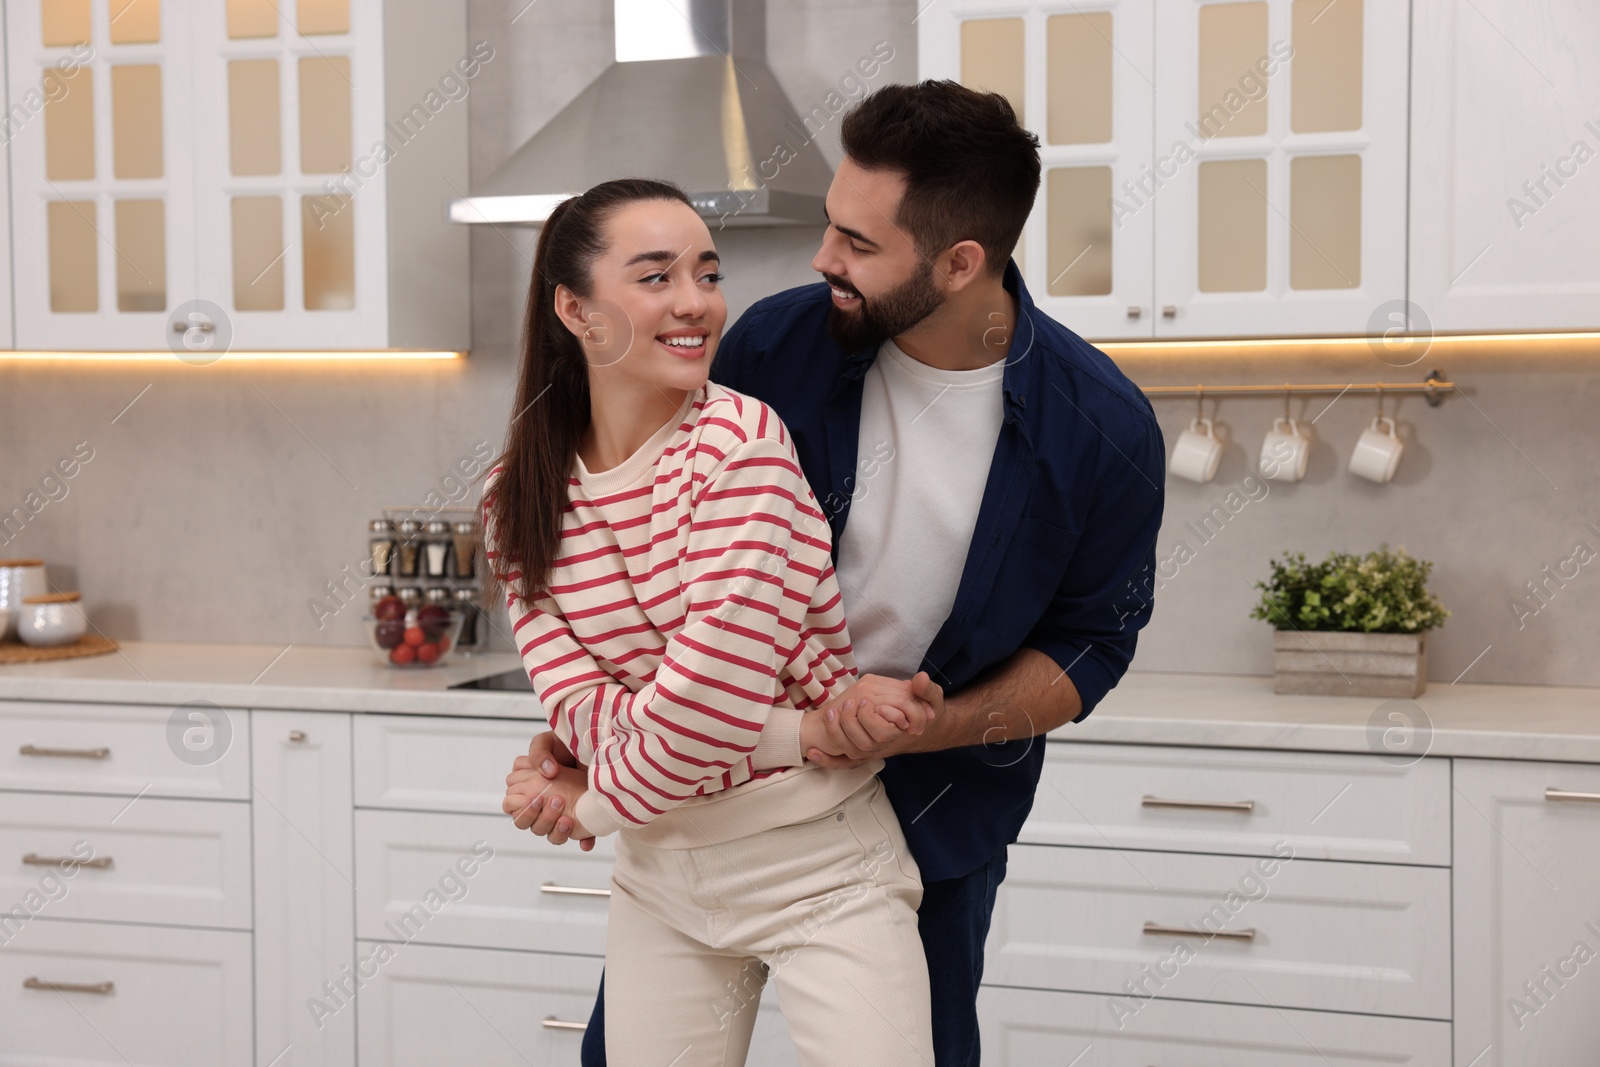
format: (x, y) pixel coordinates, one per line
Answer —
(515, 680)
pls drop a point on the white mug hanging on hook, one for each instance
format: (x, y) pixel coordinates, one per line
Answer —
(1285, 451)
(1377, 452)
(1198, 451)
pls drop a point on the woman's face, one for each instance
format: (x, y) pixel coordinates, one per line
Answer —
(656, 310)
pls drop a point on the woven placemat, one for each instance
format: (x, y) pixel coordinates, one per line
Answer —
(87, 645)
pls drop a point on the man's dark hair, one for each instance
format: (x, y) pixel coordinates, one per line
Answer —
(971, 170)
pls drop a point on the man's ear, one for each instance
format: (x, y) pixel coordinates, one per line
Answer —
(569, 309)
(963, 264)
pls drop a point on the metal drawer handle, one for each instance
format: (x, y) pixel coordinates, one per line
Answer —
(67, 987)
(53, 861)
(552, 1023)
(1568, 794)
(297, 736)
(66, 753)
(1202, 805)
(1158, 930)
(573, 890)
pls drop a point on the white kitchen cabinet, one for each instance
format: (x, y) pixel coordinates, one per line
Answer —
(478, 880)
(125, 749)
(1330, 806)
(149, 860)
(1217, 169)
(245, 175)
(102, 179)
(426, 1005)
(91, 994)
(1354, 937)
(305, 874)
(1527, 922)
(1081, 76)
(437, 763)
(1505, 140)
(1028, 1027)
(1290, 217)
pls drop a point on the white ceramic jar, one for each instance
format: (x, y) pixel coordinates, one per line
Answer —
(19, 579)
(52, 619)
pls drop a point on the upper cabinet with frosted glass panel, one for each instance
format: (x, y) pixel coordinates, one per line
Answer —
(1081, 76)
(1231, 169)
(269, 171)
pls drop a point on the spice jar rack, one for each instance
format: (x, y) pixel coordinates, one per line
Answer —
(428, 555)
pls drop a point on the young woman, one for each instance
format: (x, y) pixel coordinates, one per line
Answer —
(670, 584)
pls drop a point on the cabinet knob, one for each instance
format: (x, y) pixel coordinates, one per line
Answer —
(1134, 311)
(1169, 311)
(297, 736)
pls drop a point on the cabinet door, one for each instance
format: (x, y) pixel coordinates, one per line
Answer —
(1026, 1027)
(305, 900)
(292, 190)
(424, 1005)
(1527, 928)
(1505, 217)
(101, 171)
(1080, 76)
(95, 994)
(1356, 937)
(1281, 145)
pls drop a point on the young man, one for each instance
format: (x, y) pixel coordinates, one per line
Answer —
(994, 486)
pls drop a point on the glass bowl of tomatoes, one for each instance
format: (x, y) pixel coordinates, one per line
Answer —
(412, 637)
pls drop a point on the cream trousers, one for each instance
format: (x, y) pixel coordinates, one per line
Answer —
(825, 909)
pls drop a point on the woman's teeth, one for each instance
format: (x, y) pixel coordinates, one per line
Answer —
(683, 342)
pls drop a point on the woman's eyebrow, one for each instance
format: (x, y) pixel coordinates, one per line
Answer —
(670, 258)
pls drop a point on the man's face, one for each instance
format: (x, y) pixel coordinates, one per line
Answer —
(882, 286)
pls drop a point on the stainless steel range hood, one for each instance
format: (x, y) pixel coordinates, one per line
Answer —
(690, 99)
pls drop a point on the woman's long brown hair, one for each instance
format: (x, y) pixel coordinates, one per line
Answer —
(525, 508)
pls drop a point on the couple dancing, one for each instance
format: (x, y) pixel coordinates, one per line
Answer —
(819, 806)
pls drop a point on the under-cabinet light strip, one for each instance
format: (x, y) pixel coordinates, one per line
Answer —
(234, 356)
(1396, 341)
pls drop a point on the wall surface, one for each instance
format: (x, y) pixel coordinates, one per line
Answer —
(220, 501)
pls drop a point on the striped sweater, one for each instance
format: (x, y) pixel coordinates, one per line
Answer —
(692, 615)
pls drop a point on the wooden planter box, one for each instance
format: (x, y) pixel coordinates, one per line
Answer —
(1349, 664)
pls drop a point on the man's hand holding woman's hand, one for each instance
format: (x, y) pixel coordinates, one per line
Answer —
(874, 717)
(542, 788)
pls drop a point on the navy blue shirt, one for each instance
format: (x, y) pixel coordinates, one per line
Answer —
(1061, 560)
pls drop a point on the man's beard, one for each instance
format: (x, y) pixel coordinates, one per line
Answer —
(882, 317)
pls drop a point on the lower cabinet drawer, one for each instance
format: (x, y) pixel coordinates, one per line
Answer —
(477, 880)
(1240, 802)
(98, 993)
(196, 750)
(438, 763)
(1028, 1027)
(426, 1005)
(1352, 937)
(183, 862)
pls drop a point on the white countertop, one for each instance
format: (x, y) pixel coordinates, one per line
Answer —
(296, 677)
(1529, 722)
(1233, 711)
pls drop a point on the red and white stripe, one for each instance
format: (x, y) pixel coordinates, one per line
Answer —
(681, 611)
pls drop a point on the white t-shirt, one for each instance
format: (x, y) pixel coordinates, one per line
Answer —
(922, 461)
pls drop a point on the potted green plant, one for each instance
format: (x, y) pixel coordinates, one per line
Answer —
(1351, 625)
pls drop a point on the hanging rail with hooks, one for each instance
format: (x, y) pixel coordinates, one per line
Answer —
(1432, 390)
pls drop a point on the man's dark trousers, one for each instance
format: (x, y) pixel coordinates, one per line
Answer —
(953, 921)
